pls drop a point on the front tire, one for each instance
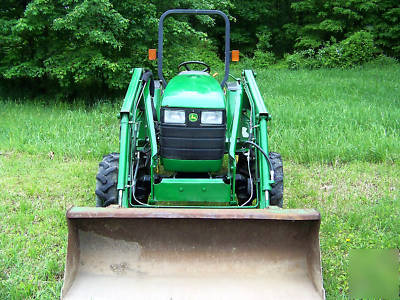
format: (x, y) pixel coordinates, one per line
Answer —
(276, 193)
(106, 181)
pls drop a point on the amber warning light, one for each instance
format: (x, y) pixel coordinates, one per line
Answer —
(152, 54)
(235, 55)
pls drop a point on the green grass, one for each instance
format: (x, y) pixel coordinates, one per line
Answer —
(334, 115)
(68, 130)
(337, 130)
(360, 208)
(318, 116)
(35, 193)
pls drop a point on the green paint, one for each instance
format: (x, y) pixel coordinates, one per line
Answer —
(198, 191)
(125, 134)
(193, 91)
(261, 133)
(157, 101)
(252, 88)
(235, 101)
(191, 165)
(152, 136)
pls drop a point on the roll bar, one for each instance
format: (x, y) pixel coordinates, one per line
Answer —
(192, 12)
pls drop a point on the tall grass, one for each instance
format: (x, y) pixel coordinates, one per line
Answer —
(70, 130)
(322, 115)
(334, 115)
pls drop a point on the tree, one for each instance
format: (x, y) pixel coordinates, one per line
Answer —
(387, 27)
(318, 22)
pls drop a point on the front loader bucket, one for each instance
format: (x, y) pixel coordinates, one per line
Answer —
(163, 253)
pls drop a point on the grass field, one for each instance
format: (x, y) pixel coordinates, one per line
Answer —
(338, 132)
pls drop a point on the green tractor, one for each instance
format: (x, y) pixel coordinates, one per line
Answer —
(191, 206)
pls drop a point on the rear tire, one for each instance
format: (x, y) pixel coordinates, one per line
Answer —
(276, 193)
(106, 181)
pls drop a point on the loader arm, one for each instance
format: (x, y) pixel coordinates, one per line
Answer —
(260, 117)
(235, 102)
(137, 122)
(151, 133)
(126, 114)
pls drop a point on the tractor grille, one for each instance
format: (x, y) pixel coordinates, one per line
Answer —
(192, 141)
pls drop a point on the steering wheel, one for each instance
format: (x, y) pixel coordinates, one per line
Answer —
(191, 62)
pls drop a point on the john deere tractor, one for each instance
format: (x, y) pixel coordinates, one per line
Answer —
(191, 206)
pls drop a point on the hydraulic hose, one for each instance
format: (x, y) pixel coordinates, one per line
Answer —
(271, 170)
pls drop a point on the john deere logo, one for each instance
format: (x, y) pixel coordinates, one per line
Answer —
(193, 117)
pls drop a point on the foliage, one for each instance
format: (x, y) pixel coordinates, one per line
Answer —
(387, 29)
(318, 22)
(382, 61)
(184, 43)
(321, 21)
(264, 59)
(302, 60)
(357, 49)
(86, 48)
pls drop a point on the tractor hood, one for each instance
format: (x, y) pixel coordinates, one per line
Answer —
(193, 89)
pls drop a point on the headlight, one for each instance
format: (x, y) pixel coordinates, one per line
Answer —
(211, 117)
(174, 116)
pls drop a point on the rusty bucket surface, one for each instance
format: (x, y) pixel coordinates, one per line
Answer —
(156, 253)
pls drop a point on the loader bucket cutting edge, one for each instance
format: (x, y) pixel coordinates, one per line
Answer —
(151, 253)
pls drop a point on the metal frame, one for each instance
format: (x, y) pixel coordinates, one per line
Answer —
(246, 95)
(193, 12)
(261, 133)
(126, 113)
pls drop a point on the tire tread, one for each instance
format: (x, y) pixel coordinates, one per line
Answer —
(276, 193)
(106, 180)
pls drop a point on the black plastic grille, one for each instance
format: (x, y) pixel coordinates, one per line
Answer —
(192, 140)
